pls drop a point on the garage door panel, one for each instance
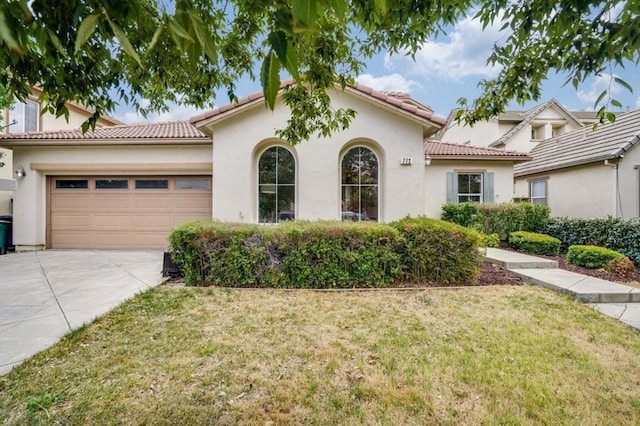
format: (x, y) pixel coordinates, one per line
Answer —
(122, 218)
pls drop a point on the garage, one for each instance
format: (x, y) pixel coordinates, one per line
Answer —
(122, 212)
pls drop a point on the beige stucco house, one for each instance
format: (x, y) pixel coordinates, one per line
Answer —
(128, 186)
(517, 130)
(586, 173)
(27, 117)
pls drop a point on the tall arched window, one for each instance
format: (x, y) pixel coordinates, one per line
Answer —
(276, 185)
(359, 185)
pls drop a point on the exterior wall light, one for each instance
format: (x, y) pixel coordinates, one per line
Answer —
(20, 173)
(427, 160)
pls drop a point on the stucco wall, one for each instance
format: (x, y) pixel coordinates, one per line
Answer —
(585, 191)
(29, 207)
(436, 181)
(629, 178)
(238, 141)
(6, 172)
(481, 134)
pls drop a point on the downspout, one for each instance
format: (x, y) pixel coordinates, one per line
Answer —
(616, 183)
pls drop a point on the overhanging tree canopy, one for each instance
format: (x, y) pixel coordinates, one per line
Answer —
(151, 53)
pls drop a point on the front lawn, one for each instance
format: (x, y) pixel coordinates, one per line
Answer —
(495, 355)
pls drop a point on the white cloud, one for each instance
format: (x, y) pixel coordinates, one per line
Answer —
(602, 82)
(464, 54)
(175, 113)
(388, 83)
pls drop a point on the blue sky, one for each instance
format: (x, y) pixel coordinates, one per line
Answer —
(443, 71)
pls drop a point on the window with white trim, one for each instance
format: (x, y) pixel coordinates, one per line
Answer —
(538, 191)
(24, 117)
(276, 185)
(359, 184)
(470, 187)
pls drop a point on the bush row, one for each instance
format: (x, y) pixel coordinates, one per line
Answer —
(325, 254)
(622, 235)
(592, 257)
(502, 218)
(535, 243)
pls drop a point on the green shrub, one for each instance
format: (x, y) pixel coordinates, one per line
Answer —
(621, 235)
(490, 240)
(532, 242)
(502, 218)
(622, 266)
(438, 252)
(592, 257)
(325, 254)
(294, 254)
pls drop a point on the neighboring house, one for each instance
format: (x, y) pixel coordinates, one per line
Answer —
(517, 130)
(586, 173)
(128, 186)
(461, 173)
(26, 117)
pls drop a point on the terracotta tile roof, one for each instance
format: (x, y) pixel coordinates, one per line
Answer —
(391, 99)
(435, 149)
(583, 146)
(168, 130)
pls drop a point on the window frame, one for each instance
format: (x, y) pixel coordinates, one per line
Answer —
(360, 213)
(284, 214)
(544, 180)
(22, 106)
(470, 194)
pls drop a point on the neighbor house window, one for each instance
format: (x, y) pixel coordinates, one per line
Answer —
(470, 186)
(360, 185)
(24, 117)
(538, 191)
(276, 185)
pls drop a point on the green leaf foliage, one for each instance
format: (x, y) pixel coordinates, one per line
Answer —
(498, 218)
(534, 243)
(270, 78)
(592, 257)
(325, 254)
(621, 235)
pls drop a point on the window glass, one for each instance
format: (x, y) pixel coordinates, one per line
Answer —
(152, 184)
(192, 184)
(359, 185)
(112, 183)
(469, 187)
(538, 192)
(276, 185)
(72, 184)
(24, 117)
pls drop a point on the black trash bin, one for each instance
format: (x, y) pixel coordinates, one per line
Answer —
(8, 218)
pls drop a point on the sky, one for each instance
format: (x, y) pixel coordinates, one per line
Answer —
(444, 70)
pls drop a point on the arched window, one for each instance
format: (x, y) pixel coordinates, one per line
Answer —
(359, 185)
(276, 185)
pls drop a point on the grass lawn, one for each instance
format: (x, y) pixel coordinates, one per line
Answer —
(492, 355)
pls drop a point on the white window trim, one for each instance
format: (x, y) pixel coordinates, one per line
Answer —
(257, 182)
(546, 195)
(11, 127)
(469, 194)
(378, 184)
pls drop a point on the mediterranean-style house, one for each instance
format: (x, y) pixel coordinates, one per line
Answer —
(27, 117)
(127, 186)
(518, 130)
(586, 172)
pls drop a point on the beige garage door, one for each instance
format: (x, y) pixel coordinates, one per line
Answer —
(123, 212)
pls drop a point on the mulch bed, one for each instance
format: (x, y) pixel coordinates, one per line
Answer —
(491, 274)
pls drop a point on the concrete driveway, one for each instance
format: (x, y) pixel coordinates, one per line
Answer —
(46, 294)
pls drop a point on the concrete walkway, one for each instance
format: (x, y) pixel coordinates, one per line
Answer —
(615, 300)
(46, 294)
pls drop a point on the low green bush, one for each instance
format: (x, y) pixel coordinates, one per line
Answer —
(535, 243)
(592, 257)
(325, 254)
(490, 240)
(501, 218)
(622, 235)
(438, 252)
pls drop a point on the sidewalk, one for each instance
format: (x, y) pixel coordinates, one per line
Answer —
(615, 300)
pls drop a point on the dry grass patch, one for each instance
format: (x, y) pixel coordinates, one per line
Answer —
(204, 356)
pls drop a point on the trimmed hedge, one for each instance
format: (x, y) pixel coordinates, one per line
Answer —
(502, 218)
(592, 257)
(324, 254)
(438, 252)
(532, 242)
(622, 235)
(490, 240)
